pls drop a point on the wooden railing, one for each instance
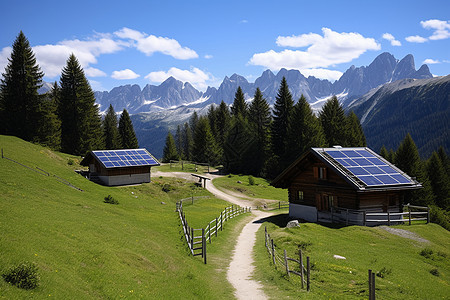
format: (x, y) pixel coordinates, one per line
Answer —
(283, 260)
(197, 243)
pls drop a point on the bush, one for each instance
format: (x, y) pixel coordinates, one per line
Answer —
(427, 252)
(383, 272)
(109, 199)
(70, 162)
(24, 276)
(251, 180)
(167, 188)
(434, 272)
(440, 217)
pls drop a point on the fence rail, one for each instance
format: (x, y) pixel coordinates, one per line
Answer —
(193, 241)
(186, 162)
(283, 260)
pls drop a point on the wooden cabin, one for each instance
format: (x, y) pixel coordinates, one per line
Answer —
(342, 183)
(119, 167)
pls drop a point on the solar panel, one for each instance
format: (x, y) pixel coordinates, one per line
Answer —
(368, 167)
(124, 158)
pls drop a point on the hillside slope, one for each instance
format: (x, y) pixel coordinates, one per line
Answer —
(85, 248)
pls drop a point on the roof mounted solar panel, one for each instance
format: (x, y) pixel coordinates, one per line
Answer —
(125, 158)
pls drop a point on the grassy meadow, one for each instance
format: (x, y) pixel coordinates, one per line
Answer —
(85, 248)
(410, 269)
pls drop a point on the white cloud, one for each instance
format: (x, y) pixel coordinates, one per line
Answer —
(330, 49)
(391, 38)
(124, 74)
(4, 55)
(149, 44)
(208, 56)
(416, 39)
(441, 28)
(195, 76)
(430, 61)
(243, 21)
(331, 75)
(93, 72)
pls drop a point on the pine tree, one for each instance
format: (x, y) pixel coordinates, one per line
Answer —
(333, 120)
(212, 117)
(385, 153)
(205, 149)
(20, 102)
(179, 142)
(304, 132)
(188, 142)
(239, 104)
(111, 132)
(81, 122)
(49, 126)
(238, 146)
(259, 122)
(193, 123)
(128, 138)
(408, 160)
(170, 150)
(223, 119)
(355, 134)
(282, 111)
(440, 182)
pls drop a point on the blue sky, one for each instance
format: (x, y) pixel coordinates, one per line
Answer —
(128, 42)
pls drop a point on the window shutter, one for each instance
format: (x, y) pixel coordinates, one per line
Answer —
(316, 172)
(325, 175)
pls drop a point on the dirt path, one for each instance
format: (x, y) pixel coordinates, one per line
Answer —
(241, 267)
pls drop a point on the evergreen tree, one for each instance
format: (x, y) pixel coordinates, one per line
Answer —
(81, 122)
(205, 148)
(128, 138)
(110, 130)
(20, 102)
(282, 111)
(408, 160)
(333, 120)
(49, 126)
(170, 150)
(259, 122)
(444, 159)
(223, 119)
(193, 123)
(179, 142)
(385, 153)
(239, 104)
(188, 142)
(304, 132)
(355, 133)
(440, 182)
(212, 117)
(238, 146)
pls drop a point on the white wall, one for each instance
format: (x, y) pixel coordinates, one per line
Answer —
(125, 179)
(307, 213)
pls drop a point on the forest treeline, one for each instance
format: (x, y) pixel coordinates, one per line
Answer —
(66, 118)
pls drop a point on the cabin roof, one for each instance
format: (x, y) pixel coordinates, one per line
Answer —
(361, 167)
(121, 158)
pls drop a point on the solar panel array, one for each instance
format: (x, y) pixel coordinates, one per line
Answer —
(368, 167)
(125, 158)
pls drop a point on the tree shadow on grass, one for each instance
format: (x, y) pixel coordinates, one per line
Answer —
(281, 220)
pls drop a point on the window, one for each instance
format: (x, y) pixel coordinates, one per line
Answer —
(300, 196)
(322, 173)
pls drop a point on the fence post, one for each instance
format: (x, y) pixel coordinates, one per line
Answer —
(204, 245)
(265, 235)
(279, 204)
(286, 263)
(370, 284)
(332, 215)
(273, 253)
(209, 233)
(192, 240)
(364, 218)
(409, 217)
(428, 214)
(346, 223)
(389, 219)
(221, 220)
(301, 268)
(182, 165)
(216, 228)
(308, 272)
(373, 285)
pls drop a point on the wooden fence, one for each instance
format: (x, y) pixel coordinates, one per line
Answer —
(410, 214)
(185, 164)
(197, 243)
(283, 260)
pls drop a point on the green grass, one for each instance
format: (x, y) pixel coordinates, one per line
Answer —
(85, 248)
(176, 167)
(260, 190)
(407, 271)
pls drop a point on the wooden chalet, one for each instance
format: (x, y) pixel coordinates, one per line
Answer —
(344, 184)
(119, 167)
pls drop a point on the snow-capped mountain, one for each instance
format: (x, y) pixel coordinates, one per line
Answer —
(173, 93)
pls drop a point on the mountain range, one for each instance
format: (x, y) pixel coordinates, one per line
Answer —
(172, 93)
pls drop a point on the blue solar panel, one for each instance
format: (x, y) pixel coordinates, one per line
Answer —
(124, 158)
(368, 167)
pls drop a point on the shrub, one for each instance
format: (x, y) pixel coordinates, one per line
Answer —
(440, 217)
(24, 276)
(167, 188)
(427, 252)
(251, 180)
(383, 272)
(109, 199)
(70, 162)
